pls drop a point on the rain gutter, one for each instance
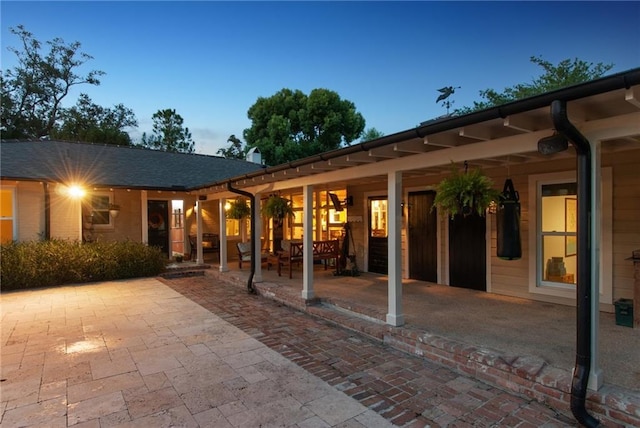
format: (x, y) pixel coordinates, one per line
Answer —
(606, 84)
(250, 288)
(583, 287)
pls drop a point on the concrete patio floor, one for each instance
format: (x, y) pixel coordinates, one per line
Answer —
(507, 324)
(137, 354)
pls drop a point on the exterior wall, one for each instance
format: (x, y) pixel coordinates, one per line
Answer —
(30, 211)
(511, 278)
(128, 224)
(65, 214)
(626, 218)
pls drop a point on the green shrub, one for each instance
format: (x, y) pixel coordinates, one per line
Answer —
(55, 262)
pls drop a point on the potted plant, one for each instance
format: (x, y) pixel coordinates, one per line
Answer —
(238, 209)
(277, 208)
(465, 193)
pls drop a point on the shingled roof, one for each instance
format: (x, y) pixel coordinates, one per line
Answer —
(114, 166)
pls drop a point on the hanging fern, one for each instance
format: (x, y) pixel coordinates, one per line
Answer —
(278, 208)
(465, 192)
(238, 209)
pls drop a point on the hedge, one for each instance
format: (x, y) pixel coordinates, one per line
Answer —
(37, 264)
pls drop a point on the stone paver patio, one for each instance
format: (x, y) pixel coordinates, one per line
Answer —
(137, 353)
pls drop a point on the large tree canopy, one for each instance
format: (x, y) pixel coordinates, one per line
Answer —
(291, 125)
(90, 122)
(32, 92)
(169, 134)
(566, 73)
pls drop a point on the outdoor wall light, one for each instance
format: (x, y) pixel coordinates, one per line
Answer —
(75, 191)
(553, 144)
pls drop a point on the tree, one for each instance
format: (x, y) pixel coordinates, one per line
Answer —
(291, 125)
(90, 122)
(566, 73)
(32, 92)
(371, 134)
(168, 133)
(237, 149)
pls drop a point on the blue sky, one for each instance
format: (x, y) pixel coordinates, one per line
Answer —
(211, 60)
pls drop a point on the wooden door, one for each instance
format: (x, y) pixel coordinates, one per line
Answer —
(422, 235)
(467, 252)
(157, 223)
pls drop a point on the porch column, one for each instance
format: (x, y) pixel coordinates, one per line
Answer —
(307, 243)
(199, 258)
(395, 316)
(257, 245)
(222, 215)
(596, 378)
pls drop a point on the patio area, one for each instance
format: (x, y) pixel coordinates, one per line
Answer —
(512, 327)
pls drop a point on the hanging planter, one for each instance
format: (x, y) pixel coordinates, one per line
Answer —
(465, 193)
(277, 208)
(238, 209)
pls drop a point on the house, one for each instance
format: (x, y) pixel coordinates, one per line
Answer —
(390, 184)
(384, 190)
(85, 192)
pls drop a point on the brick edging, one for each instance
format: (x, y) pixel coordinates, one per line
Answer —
(525, 375)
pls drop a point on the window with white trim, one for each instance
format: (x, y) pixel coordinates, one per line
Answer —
(99, 204)
(557, 228)
(553, 237)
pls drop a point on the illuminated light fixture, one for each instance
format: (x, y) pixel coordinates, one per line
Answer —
(75, 191)
(227, 206)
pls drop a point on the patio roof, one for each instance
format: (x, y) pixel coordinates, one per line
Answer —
(485, 139)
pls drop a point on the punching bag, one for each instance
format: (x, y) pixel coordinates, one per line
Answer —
(508, 223)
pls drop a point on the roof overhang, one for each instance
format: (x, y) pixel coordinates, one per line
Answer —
(489, 138)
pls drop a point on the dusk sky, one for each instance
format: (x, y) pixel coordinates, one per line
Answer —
(210, 61)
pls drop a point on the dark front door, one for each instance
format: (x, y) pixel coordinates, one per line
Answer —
(467, 252)
(378, 241)
(423, 245)
(158, 227)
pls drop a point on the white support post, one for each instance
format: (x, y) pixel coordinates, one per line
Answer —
(307, 243)
(199, 256)
(257, 245)
(596, 378)
(395, 316)
(223, 235)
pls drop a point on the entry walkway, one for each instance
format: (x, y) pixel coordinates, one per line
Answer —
(138, 354)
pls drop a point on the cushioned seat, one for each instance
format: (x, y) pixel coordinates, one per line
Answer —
(244, 253)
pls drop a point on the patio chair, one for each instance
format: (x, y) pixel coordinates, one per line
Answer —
(244, 254)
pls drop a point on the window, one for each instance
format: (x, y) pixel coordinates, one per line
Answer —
(553, 237)
(99, 210)
(378, 218)
(557, 228)
(7, 223)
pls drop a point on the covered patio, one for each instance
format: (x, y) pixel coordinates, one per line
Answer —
(519, 344)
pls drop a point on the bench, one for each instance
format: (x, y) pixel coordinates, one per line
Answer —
(210, 244)
(322, 250)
